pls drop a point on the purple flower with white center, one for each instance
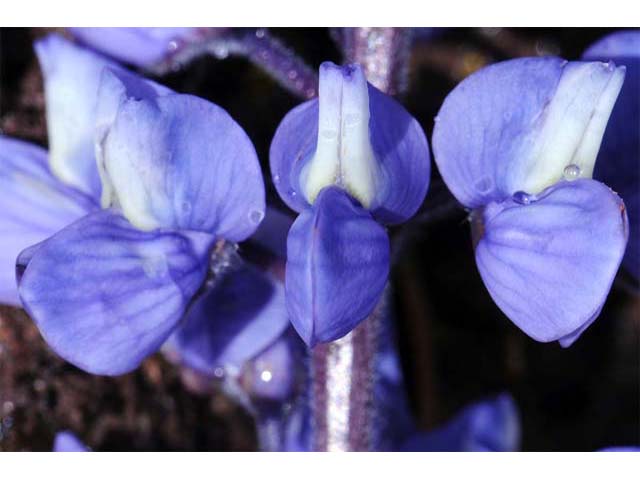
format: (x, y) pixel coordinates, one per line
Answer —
(178, 175)
(67, 441)
(517, 142)
(619, 158)
(349, 162)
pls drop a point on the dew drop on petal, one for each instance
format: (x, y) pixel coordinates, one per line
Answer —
(329, 134)
(221, 51)
(185, 208)
(155, 266)
(256, 216)
(266, 376)
(522, 198)
(484, 185)
(173, 46)
(571, 172)
(351, 120)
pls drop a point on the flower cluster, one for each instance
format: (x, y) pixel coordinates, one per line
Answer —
(122, 239)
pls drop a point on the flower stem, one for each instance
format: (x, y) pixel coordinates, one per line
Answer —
(382, 52)
(258, 46)
(342, 389)
(342, 372)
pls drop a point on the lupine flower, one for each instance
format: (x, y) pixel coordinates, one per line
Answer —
(618, 162)
(139, 46)
(67, 441)
(178, 176)
(349, 162)
(43, 193)
(516, 143)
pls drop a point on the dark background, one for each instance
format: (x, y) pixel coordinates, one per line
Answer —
(456, 345)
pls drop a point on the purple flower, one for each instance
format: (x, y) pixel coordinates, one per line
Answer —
(140, 46)
(348, 162)
(516, 142)
(178, 175)
(67, 441)
(619, 157)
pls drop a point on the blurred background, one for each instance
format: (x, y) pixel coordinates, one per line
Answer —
(455, 344)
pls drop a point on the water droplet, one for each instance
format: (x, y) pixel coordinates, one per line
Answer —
(256, 216)
(522, 198)
(351, 119)
(173, 46)
(154, 267)
(436, 119)
(484, 185)
(292, 74)
(329, 134)
(310, 93)
(221, 51)
(276, 178)
(218, 372)
(260, 33)
(266, 376)
(571, 172)
(185, 208)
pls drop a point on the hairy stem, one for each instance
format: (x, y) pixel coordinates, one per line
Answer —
(382, 52)
(343, 371)
(258, 46)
